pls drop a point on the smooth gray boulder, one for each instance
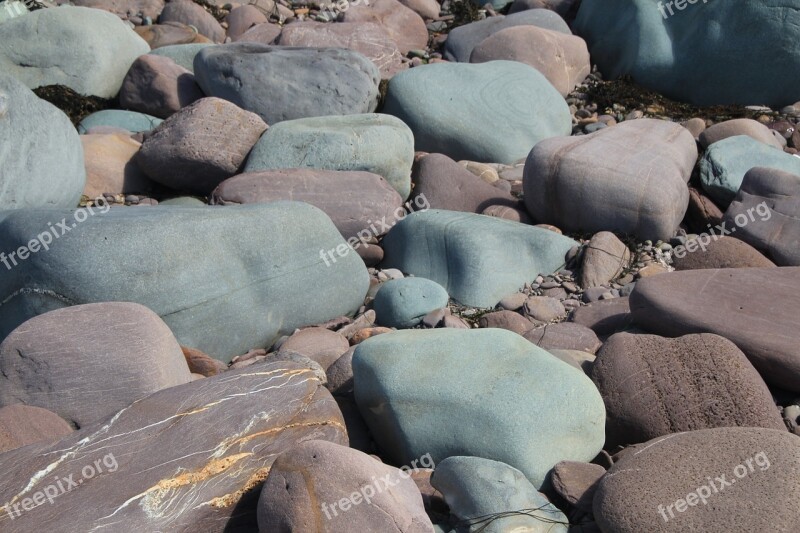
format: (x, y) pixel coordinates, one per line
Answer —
(87, 50)
(225, 280)
(478, 259)
(41, 154)
(284, 83)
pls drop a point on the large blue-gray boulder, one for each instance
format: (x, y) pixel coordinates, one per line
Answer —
(224, 279)
(478, 259)
(725, 163)
(41, 155)
(87, 50)
(706, 53)
(484, 393)
(490, 112)
(369, 142)
(285, 82)
(462, 40)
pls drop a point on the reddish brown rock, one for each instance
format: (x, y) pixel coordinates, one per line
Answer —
(739, 126)
(427, 9)
(243, 18)
(110, 167)
(265, 33)
(318, 344)
(21, 425)
(166, 34)
(604, 259)
(577, 482)
(340, 374)
(404, 26)
(702, 211)
(604, 317)
(158, 86)
(201, 363)
(564, 336)
(509, 320)
(125, 8)
(721, 252)
(191, 14)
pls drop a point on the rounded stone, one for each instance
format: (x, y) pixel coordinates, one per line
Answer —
(403, 303)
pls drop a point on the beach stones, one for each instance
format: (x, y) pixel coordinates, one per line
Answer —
(654, 386)
(182, 54)
(91, 55)
(766, 214)
(110, 167)
(411, 388)
(320, 482)
(725, 163)
(402, 24)
(39, 359)
(736, 303)
(234, 285)
(452, 107)
(192, 14)
(355, 201)
(703, 53)
(158, 86)
(117, 118)
(731, 479)
(740, 126)
(630, 178)
(22, 424)
(403, 303)
(604, 258)
(199, 147)
(42, 158)
(721, 252)
(285, 83)
(212, 440)
(460, 251)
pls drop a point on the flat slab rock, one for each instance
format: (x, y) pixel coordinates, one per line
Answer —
(174, 461)
(756, 308)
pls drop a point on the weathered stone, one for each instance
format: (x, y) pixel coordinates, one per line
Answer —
(604, 259)
(739, 126)
(720, 252)
(604, 317)
(158, 86)
(577, 482)
(22, 424)
(404, 26)
(564, 336)
(110, 167)
(193, 14)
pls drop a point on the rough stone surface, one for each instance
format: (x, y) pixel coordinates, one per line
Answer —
(604, 259)
(21, 425)
(577, 482)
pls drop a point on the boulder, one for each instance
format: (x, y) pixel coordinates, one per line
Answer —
(192, 14)
(22, 424)
(740, 126)
(721, 252)
(402, 24)
(403, 303)
(108, 159)
(604, 259)
(158, 86)
(318, 344)
(564, 336)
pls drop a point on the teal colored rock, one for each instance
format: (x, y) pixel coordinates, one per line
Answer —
(477, 487)
(706, 52)
(41, 155)
(224, 279)
(725, 163)
(87, 50)
(478, 259)
(485, 393)
(403, 303)
(375, 143)
(491, 112)
(182, 54)
(185, 201)
(127, 120)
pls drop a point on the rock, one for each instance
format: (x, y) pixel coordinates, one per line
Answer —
(654, 386)
(461, 251)
(564, 336)
(514, 214)
(42, 160)
(740, 126)
(562, 58)
(182, 54)
(21, 425)
(178, 445)
(604, 317)
(368, 38)
(169, 34)
(374, 143)
(128, 120)
(544, 308)
(91, 55)
(318, 344)
(533, 410)
(769, 200)
(476, 487)
(402, 303)
(125, 8)
(696, 126)
(629, 179)
(462, 40)
(340, 374)
(562, 7)
(158, 86)
(110, 168)
(191, 14)
(243, 18)
(721, 252)
(583, 361)
(427, 9)
(735, 303)
(261, 34)
(199, 147)
(39, 359)
(452, 107)
(506, 320)
(403, 25)
(604, 259)
(658, 487)
(702, 210)
(577, 482)
(234, 286)
(323, 486)
(704, 57)
(445, 184)
(184, 201)
(330, 190)
(285, 83)
(201, 363)
(725, 163)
